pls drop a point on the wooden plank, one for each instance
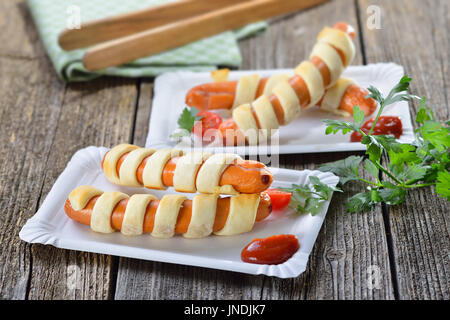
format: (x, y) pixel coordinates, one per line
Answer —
(100, 112)
(19, 37)
(40, 128)
(30, 101)
(414, 35)
(143, 111)
(347, 245)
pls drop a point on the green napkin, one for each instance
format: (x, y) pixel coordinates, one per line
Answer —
(53, 16)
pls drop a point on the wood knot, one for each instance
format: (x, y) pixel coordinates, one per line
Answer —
(335, 254)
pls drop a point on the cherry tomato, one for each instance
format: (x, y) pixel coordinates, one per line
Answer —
(206, 127)
(279, 199)
(231, 134)
(385, 125)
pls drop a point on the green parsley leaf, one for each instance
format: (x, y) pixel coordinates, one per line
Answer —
(305, 200)
(413, 172)
(443, 184)
(388, 142)
(374, 148)
(398, 93)
(358, 116)
(312, 205)
(375, 94)
(346, 169)
(325, 191)
(370, 167)
(424, 113)
(188, 118)
(393, 195)
(303, 190)
(436, 134)
(334, 126)
(403, 154)
(360, 202)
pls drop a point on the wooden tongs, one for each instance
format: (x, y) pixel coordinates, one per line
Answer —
(124, 38)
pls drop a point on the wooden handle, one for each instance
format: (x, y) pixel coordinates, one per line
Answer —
(102, 30)
(176, 34)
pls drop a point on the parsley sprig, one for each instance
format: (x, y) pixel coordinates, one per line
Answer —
(423, 163)
(186, 122)
(309, 200)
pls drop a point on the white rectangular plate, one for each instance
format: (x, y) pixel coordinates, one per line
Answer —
(306, 134)
(50, 225)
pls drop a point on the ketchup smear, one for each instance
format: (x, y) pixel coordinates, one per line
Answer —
(271, 250)
(385, 125)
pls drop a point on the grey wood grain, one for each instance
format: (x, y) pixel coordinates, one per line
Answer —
(100, 112)
(414, 34)
(143, 111)
(30, 102)
(19, 38)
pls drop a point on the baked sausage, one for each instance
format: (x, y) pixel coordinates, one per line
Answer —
(221, 95)
(107, 212)
(225, 173)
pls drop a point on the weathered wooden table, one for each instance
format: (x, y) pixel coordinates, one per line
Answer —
(44, 121)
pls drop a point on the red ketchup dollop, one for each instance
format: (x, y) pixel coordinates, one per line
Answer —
(271, 250)
(385, 125)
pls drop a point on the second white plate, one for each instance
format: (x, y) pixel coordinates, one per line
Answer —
(306, 134)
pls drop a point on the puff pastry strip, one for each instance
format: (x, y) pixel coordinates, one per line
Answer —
(288, 99)
(111, 159)
(101, 214)
(210, 172)
(129, 166)
(266, 116)
(152, 176)
(314, 81)
(331, 58)
(203, 216)
(133, 219)
(340, 40)
(246, 89)
(166, 215)
(271, 83)
(186, 171)
(244, 118)
(241, 215)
